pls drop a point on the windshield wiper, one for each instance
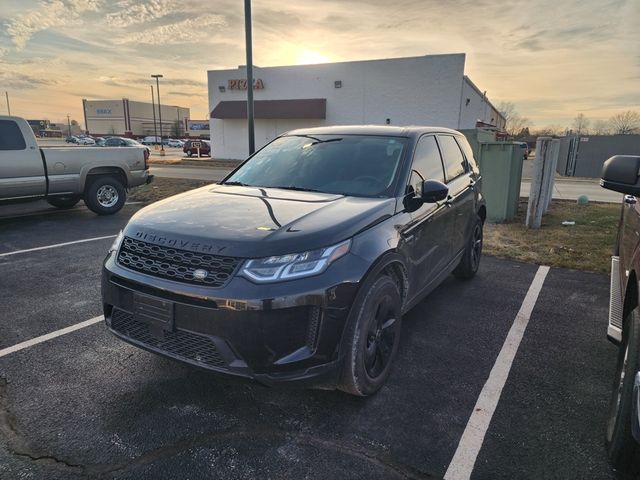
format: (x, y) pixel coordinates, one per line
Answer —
(298, 189)
(318, 140)
(239, 184)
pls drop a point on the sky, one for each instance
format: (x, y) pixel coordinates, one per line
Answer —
(553, 59)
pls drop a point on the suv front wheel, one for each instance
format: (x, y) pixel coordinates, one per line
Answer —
(372, 338)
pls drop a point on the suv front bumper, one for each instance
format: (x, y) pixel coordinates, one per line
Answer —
(288, 332)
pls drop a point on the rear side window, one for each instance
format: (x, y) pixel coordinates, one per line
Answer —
(427, 164)
(10, 136)
(466, 149)
(453, 160)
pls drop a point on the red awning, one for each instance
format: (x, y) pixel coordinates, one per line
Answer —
(273, 109)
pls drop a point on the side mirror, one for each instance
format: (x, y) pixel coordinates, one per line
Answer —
(434, 191)
(620, 173)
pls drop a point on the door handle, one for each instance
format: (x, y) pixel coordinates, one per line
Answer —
(630, 200)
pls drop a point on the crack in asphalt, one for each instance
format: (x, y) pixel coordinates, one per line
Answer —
(18, 446)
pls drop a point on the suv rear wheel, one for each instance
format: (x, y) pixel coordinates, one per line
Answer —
(105, 195)
(372, 338)
(473, 251)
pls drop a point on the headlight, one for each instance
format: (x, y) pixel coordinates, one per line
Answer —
(295, 265)
(116, 243)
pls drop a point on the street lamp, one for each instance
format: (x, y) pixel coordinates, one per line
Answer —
(249, 47)
(159, 110)
(69, 125)
(155, 127)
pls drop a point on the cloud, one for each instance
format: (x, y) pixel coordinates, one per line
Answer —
(185, 31)
(185, 94)
(132, 13)
(22, 81)
(48, 14)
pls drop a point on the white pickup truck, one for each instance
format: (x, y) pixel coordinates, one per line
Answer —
(64, 175)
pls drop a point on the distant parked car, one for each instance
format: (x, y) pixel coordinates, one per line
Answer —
(525, 149)
(71, 139)
(86, 141)
(122, 142)
(151, 140)
(100, 141)
(191, 147)
(172, 142)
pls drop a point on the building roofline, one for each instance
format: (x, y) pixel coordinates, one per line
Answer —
(482, 94)
(243, 67)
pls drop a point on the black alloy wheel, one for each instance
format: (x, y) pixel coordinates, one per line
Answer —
(372, 337)
(472, 253)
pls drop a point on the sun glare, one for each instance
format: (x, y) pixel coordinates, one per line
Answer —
(309, 56)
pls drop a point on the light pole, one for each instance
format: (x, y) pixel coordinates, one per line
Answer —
(69, 124)
(155, 127)
(8, 107)
(157, 77)
(248, 41)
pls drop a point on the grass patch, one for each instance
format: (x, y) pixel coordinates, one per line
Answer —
(162, 188)
(587, 245)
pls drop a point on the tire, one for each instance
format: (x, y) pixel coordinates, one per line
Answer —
(472, 252)
(622, 449)
(105, 195)
(371, 338)
(189, 153)
(64, 202)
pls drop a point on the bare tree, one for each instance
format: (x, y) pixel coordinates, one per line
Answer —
(581, 124)
(514, 123)
(601, 127)
(625, 123)
(549, 131)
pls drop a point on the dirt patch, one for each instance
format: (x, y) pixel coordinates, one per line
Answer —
(587, 245)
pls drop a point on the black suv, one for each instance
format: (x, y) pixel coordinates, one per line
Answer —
(298, 266)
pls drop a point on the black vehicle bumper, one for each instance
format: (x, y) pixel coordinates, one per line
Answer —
(285, 333)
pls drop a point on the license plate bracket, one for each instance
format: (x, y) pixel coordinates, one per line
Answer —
(154, 311)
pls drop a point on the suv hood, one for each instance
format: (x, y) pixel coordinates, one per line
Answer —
(253, 222)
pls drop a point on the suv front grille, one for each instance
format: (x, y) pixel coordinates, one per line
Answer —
(176, 264)
(183, 344)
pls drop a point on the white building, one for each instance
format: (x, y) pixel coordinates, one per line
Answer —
(130, 118)
(429, 90)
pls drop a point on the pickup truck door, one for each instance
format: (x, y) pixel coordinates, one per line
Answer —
(21, 167)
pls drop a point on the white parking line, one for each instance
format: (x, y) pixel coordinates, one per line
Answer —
(466, 454)
(49, 336)
(56, 245)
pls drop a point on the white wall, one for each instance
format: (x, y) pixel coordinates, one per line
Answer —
(409, 91)
(478, 108)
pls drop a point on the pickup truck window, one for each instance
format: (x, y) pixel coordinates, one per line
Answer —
(453, 159)
(11, 137)
(427, 164)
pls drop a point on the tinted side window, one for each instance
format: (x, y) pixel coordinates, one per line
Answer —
(453, 159)
(427, 164)
(466, 149)
(10, 136)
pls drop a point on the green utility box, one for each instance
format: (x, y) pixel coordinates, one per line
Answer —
(476, 136)
(501, 169)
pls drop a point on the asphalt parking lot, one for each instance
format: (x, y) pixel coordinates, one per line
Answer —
(86, 405)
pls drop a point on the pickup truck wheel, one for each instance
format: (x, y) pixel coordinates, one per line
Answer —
(105, 195)
(64, 202)
(189, 153)
(372, 338)
(473, 251)
(623, 450)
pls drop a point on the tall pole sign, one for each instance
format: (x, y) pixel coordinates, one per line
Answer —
(155, 127)
(157, 77)
(248, 41)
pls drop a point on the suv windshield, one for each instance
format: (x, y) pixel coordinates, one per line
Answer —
(354, 165)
